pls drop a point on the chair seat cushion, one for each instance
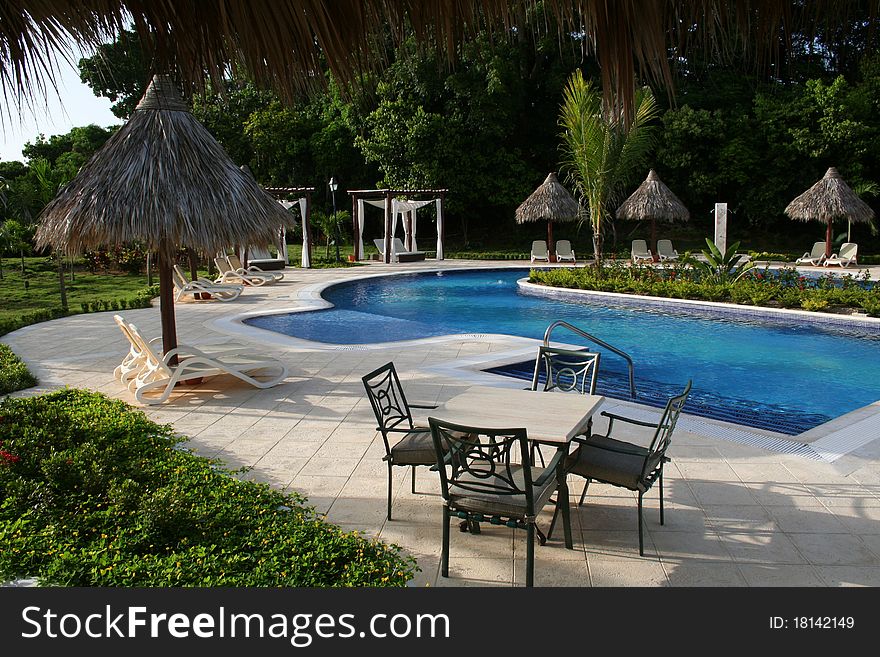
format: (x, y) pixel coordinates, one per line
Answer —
(611, 461)
(415, 448)
(503, 505)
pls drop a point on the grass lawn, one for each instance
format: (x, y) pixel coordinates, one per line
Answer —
(42, 291)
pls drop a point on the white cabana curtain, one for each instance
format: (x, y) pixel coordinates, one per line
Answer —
(439, 255)
(400, 207)
(360, 235)
(306, 260)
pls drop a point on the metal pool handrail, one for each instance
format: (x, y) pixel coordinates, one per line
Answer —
(601, 343)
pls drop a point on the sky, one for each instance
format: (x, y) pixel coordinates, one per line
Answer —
(76, 106)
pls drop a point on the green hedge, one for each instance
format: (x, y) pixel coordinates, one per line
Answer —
(487, 255)
(95, 494)
(785, 288)
(141, 299)
(14, 374)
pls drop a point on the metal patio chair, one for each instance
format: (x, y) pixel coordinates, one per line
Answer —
(628, 465)
(486, 476)
(405, 443)
(566, 370)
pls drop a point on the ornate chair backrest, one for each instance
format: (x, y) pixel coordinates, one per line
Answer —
(387, 399)
(566, 370)
(663, 435)
(484, 462)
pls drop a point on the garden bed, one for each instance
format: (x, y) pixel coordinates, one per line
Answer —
(95, 494)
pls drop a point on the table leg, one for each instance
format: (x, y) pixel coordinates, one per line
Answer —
(562, 502)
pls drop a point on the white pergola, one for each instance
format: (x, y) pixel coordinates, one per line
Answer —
(289, 197)
(403, 203)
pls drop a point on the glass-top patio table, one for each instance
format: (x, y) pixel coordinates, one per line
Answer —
(552, 418)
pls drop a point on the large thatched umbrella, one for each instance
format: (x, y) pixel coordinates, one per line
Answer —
(829, 199)
(653, 200)
(550, 202)
(285, 43)
(162, 179)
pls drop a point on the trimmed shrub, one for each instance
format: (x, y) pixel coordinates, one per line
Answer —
(95, 494)
(14, 374)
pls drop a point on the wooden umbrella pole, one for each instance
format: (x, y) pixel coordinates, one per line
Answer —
(654, 239)
(828, 240)
(166, 300)
(551, 252)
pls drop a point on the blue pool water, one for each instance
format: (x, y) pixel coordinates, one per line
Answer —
(784, 378)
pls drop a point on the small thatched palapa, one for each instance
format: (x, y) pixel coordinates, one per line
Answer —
(829, 199)
(654, 201)
(549, 202)
(162, 179)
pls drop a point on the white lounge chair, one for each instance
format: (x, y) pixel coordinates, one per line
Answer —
(845, 257)
(136, 359)
(229, 275)
(539, 251)
(202, 288)
(259, 256)
(564, 252)
(235, 263)
(398, 251)
(665, 251)
(813, 258)
(156, 380)
(640, 251)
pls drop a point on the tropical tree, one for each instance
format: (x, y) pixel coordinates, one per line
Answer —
(602, 147)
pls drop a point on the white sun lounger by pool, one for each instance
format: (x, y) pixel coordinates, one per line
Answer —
(640, 251)
(235, 263)
(539, 251)
(136, 359)
(815, 257)
(156, 380)
(564, 252)
(202, 288)
(398, 251)
(665, 251)
(845, 257)
(229, 275)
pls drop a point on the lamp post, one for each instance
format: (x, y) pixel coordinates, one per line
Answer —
(333, 186)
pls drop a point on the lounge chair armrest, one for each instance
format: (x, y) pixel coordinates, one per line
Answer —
(550, 470)
(423, 405)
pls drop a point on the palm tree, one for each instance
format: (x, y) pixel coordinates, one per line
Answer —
(601, 148)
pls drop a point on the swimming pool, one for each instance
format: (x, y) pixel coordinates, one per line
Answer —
(784, 378)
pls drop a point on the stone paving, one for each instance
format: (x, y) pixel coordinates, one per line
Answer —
(735, 515)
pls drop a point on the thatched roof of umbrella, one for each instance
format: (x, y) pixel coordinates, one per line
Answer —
(549, 202)
(164, 180)
(653, 200)
(282, 43)
(161, 176)
(829, 199)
